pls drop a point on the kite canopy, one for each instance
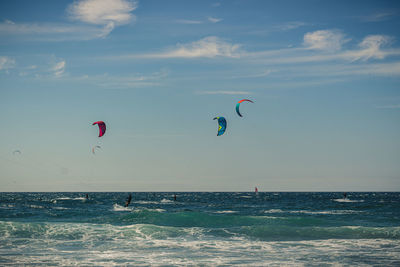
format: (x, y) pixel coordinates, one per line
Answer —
(102, 127)
(17, 152)
(238, 104)
(221, 125)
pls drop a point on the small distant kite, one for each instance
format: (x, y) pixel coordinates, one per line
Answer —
(15, 152)
(238, 104)
(221, 125)
(102, 127)
(94, 149)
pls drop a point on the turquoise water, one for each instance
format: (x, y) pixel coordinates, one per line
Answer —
(317, 229)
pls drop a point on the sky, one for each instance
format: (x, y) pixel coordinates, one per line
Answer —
(324, 77)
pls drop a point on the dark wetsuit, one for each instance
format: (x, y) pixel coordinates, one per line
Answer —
(128, 200)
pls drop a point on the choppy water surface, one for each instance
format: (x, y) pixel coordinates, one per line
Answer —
(200, 229)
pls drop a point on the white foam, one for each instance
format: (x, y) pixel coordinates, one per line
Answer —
(347, 200)
(69, 198)
(166, 201)
(322, 212)
(61, 208)
(145, 202)
(226, 211)
(36, 207)
(144, 245)
(117, 207)
(274, 211)
(79, 198)
(328, 212)
(157, 210)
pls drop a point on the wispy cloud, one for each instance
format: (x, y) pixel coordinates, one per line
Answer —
(371, 47)
(223, 92)
(322, 54)
(108, 13)
(59, 68)
(188, 21)
(325, 45)
(135, 80)
(97, 19)
(208, 47)
(57, 73)
(254, 75)
(280, 27)
(338, 70)
(327, 40)
(50, 31)
(379, 16)
(395, 106)
(6, 21)
(6, 63)
(214, 20)
(291, 25)
(191, 21)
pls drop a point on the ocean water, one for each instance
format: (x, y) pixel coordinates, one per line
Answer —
(206, 229)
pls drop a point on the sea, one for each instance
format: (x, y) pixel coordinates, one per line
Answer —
(200, 229)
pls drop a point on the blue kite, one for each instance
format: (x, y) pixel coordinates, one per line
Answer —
(222, 125)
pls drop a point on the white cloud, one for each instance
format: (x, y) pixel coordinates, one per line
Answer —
(328, 40)
(33, 28)
(383, 69)
(254, 75)
(51, 31)
(370, 47)
(342, 70)
(223, 93)
(395, 106)
(214, 20)
(6, 63)
(379, 16)
(208, 47)
(109, 13)
(135, 80)
(59, 68)
(188, 21)
(291, 25)
(9, 22)
(319, 42)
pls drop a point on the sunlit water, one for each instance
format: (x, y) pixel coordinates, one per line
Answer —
(200, 229)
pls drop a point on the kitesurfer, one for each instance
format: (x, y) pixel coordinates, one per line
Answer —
(344, 195)
(87, 196)
(128, 200)
(174, 197)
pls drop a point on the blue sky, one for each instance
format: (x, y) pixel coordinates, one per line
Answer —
(324, 76)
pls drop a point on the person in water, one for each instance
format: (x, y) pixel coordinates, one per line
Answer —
(128, 200)
(344, 195)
